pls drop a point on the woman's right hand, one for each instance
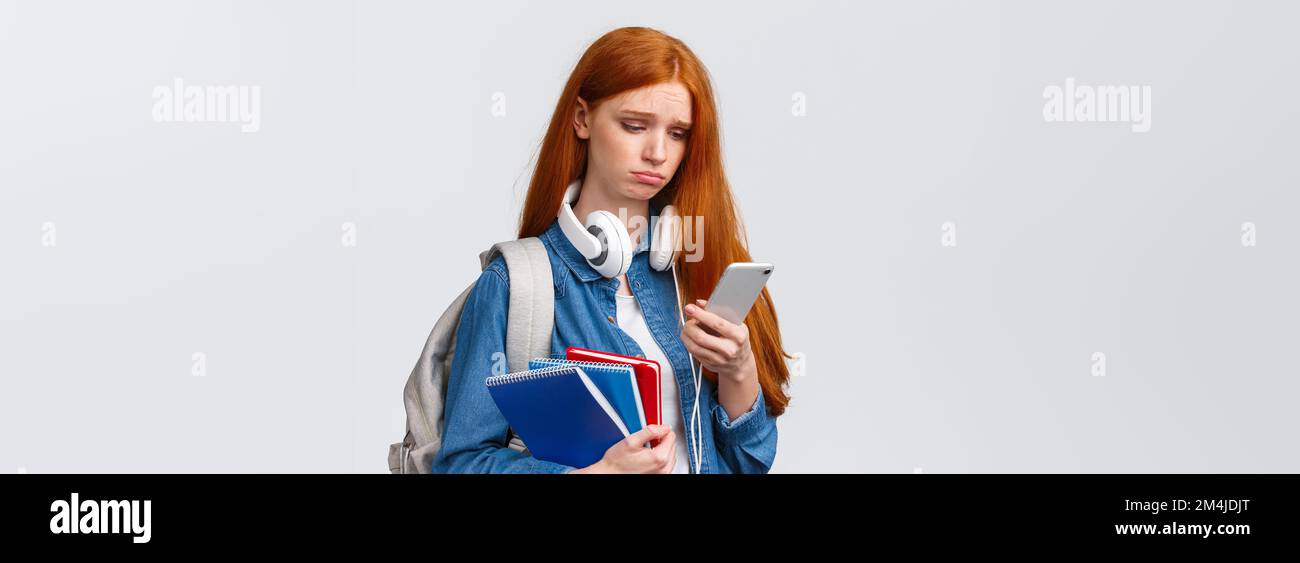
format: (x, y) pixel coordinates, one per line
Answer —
(630, 455)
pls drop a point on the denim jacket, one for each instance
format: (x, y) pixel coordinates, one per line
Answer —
(474, 437)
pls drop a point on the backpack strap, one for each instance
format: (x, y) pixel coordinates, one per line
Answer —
(531, 315)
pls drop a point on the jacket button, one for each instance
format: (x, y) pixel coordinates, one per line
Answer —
(611, 318)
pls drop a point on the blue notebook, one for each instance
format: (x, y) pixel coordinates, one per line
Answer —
(559, 413)
(616, 381)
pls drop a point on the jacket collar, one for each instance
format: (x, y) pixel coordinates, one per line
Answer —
(568, 254)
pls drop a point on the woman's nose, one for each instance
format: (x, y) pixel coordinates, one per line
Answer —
(655, 150)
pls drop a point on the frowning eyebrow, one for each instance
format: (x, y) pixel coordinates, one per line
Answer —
(648, 115)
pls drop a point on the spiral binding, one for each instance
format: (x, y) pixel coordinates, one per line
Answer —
(582, 364)
(547, 371)
(528, 375)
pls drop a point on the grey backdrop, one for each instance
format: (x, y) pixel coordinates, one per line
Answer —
(1073, 239)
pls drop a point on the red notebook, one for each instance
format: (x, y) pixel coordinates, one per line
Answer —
(646, 372)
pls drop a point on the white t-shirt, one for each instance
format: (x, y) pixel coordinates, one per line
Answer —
(633, 323)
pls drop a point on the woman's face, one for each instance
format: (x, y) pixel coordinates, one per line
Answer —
(636, 139)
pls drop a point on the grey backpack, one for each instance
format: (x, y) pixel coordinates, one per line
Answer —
(530, 320)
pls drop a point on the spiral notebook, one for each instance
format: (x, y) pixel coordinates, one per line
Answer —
(559, 413)
(647, 378)
(617, 382)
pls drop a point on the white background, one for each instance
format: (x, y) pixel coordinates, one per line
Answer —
(183, 238)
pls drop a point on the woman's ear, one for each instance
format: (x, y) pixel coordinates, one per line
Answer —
(580, 114)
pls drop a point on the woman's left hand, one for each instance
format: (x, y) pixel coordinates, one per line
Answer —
(721, 346)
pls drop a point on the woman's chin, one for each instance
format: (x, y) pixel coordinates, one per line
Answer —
(637, 190)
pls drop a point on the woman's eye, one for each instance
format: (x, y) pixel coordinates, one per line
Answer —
(633, 128)
(678, 135)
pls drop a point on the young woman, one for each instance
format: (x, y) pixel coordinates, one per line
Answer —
(635, 130)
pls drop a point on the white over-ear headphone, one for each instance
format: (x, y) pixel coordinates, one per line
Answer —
(603, 240)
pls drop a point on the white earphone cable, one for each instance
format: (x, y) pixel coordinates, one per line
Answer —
(697, 434)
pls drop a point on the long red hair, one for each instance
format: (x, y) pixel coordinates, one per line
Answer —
(634, 57)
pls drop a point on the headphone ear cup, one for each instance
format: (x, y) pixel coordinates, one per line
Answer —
(663, 242)
(616, 245)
